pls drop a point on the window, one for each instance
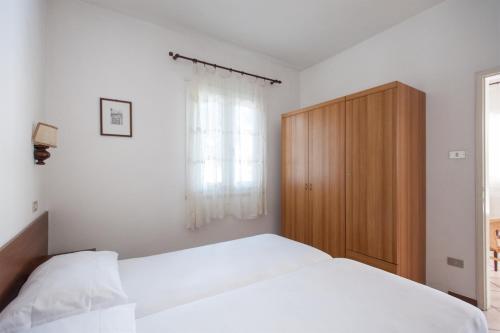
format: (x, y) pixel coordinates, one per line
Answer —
(226, 148)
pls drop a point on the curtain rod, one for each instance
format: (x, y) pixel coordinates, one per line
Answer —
(177, 55)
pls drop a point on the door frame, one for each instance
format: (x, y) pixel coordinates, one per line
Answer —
(481, 225)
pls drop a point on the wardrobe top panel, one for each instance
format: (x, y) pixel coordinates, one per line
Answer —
(313, 107)
(366, 92)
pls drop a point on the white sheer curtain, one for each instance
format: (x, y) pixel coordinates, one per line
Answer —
(226, 147)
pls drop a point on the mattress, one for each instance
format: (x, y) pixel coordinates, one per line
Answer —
(337, 295)
(163, 281)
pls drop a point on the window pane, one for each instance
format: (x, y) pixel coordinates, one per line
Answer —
(230, 142)
(211, 144)
(246, 138)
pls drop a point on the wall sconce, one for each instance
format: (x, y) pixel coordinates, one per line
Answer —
(45, 136)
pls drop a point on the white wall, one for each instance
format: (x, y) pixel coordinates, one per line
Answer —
(128, 194)
(439, 51)
(22, 39)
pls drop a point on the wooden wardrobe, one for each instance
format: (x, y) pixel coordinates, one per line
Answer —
(353, 178)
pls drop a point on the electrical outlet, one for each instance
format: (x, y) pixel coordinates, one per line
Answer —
(35, 206)
(459, 154)
(455, 262)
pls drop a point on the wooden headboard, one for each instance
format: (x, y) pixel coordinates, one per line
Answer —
(20, 256)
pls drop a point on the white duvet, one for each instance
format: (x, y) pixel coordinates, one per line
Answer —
(163, 281)
(336, 295)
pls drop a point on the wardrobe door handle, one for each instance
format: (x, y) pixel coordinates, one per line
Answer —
(310, 187)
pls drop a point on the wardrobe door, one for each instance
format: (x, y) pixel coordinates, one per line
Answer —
(327, 177)
(294, 192)
(370, 166)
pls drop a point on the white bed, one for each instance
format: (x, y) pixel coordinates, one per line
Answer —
(263, 284)
(336, 295)
(163, 281)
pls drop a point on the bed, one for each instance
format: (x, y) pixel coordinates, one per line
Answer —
(264, 283)
(337, 295)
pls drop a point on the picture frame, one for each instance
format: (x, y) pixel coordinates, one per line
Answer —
(115, 117)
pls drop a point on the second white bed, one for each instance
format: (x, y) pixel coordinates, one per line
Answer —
(337, 295)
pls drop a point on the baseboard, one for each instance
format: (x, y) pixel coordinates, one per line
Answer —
(463, 298)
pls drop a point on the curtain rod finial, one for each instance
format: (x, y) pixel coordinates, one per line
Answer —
(174, 56)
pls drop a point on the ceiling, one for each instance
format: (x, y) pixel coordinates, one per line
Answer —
(300, 33)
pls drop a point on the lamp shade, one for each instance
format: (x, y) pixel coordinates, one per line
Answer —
(45, 135)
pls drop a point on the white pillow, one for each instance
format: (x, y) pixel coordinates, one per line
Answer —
(118, 319)
(63, 286)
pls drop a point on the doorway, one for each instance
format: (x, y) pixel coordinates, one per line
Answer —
(488, 189)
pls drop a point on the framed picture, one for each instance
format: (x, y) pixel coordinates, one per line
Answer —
(116, 117)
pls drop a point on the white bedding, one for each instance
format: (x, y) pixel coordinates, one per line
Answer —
(337, 295)
(163, 281)
(117, 319)
(64, 286)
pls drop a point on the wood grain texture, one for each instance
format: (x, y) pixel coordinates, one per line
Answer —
(21, 256)
(327, 177)
(294, 171)
(370, 165)
(385, 212)
(410, 183)
(374, 90)
(313, 107)
(386, 266)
